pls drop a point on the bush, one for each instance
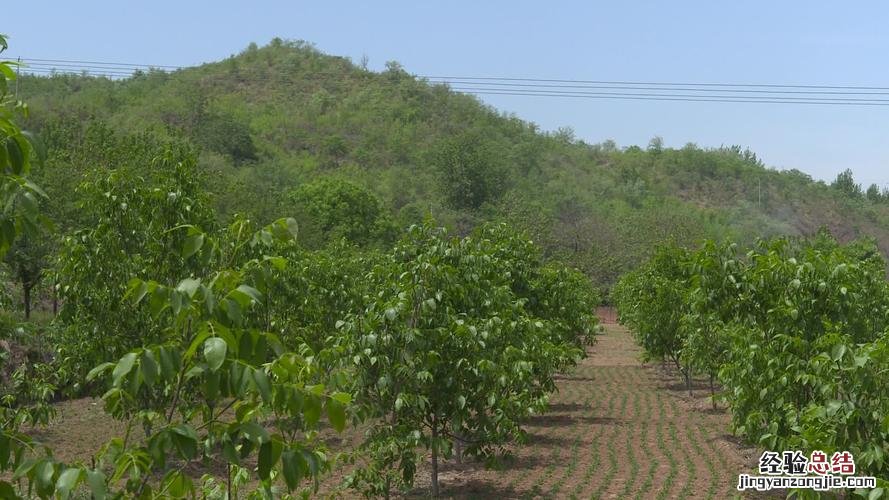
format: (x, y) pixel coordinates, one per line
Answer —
(342, 209)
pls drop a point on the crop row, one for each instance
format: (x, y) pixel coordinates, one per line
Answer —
(794, 331)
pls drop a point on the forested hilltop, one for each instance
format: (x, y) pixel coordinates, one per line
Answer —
(285, 130)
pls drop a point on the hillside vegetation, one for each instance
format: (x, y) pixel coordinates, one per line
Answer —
(271, 121)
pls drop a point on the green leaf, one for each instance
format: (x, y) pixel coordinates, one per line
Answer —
(838, 351)
(199, 339)
(336, 413)
(263, 384)
(45, 471)
(7, 491)
(97, 371)
(211, 386)
(311, 410)
(269, 454)
(185, 439)
(15, 155)
(193, 243)
(391, 314)
(4, 450)
(280, 263)
(68, 481)
(138, 289)
(188, 286)
(178, 484)
(24, 468)
(149, 367)
(96, 481)
(232, 310)
(343, 397)
(124, 366)
(292, 226)
(294, 468)
(214, 352)
(264, 462)
(254, 432)
(230, 453)
(176, 301)
(861, 360)
(245, 294)
(169, 364)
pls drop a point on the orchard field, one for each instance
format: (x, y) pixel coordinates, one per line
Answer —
(615, 429)
(338, 347)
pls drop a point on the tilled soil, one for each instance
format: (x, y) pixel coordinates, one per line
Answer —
(616, 429)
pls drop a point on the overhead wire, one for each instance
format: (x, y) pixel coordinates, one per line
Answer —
(844, 95)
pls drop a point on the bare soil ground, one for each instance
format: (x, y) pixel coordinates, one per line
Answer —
(616, 429)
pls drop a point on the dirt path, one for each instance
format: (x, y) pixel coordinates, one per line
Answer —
(616, 429)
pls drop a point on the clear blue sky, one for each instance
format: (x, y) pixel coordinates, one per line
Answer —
(703, 41)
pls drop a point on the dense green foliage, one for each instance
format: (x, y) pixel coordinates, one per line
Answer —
(18, 195)
(242, 356)
(341, 209)
(271, 120)
(135, 233)
(796, 330)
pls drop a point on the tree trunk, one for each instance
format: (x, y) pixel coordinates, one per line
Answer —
(687, 373)
(55, 301)
(458, 449)
(434, 457)
(26, 289)
(712, 392)
(231, 492)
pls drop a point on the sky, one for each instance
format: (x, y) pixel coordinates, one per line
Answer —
(755, 42)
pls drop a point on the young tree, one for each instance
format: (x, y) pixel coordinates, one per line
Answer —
(873, 194)
(845, 183)
(470, 171)
(656, 145)
(28, 260)
(652, 302)
(341, 209)
(448, 351)
(134, 236)
(213, 389)
(716, 284)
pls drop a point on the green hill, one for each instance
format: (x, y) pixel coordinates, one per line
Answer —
(272, 119)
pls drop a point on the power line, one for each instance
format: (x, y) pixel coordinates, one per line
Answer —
(129, 70)
(669, 97)
(653, 88)
(848, 95)
(505, 79)
(105, 63)
(78, 71)
(716, 96)
(698, 84)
